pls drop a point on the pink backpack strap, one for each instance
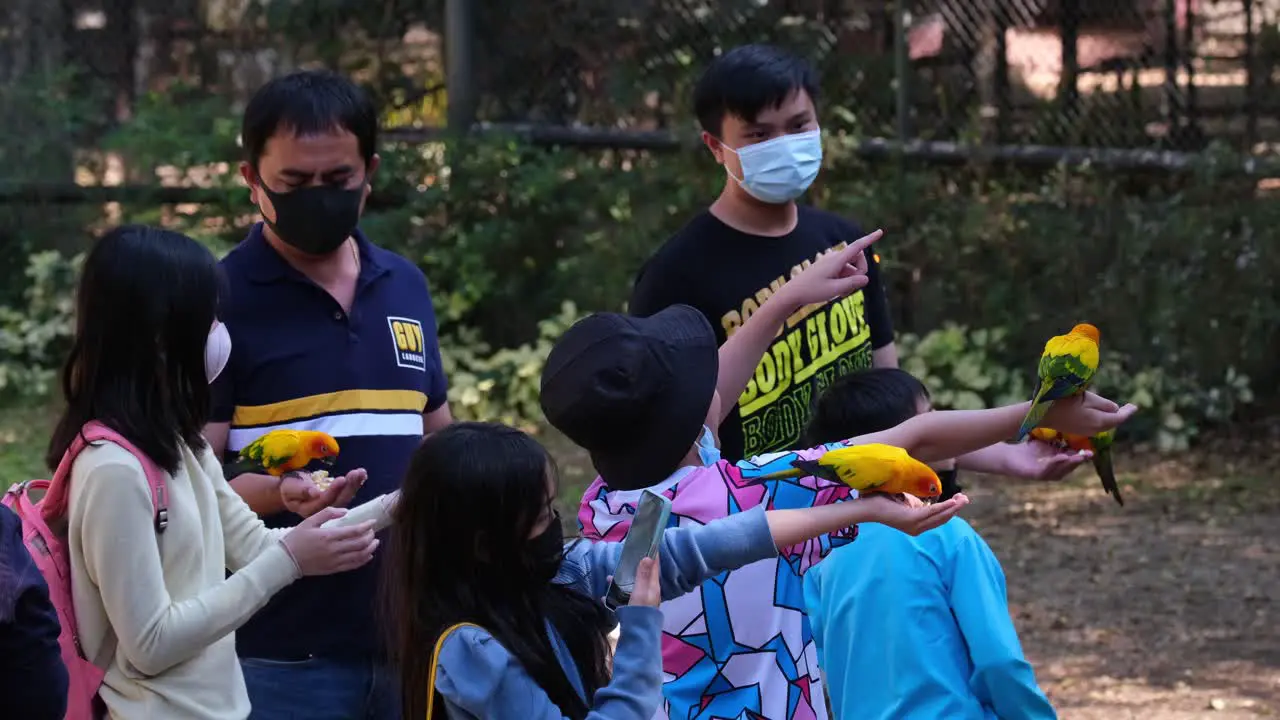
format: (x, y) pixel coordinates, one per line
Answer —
(56, 501)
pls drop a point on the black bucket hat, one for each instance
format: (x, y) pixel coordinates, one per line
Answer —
(634, 392)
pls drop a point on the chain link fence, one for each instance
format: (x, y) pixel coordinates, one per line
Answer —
(1143, 74)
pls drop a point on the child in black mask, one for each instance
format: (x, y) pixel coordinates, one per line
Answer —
(492, 615)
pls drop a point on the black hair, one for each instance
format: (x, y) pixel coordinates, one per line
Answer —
(471, 498)
(748, 80)
(146, 302)
(309, 102)
(864, 402)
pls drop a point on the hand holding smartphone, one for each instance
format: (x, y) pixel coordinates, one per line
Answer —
(643, 540)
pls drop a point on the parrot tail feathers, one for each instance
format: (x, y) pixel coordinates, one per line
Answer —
(1107, 473)
(813, 468)
(240, 467)
(1033, 419)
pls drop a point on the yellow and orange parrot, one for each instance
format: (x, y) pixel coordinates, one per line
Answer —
(1066, 368)
(1099, 445)
(868, 468)
(282, 451)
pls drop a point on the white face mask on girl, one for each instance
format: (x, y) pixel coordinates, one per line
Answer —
(779, 170)
(217, 351)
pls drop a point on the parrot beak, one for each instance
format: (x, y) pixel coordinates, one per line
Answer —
(929, 483)
(329, 461)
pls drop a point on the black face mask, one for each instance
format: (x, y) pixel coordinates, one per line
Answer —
(544, 553)
(950, 484)
(315, 220)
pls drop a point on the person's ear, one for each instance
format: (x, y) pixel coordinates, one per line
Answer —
(714, 145)
(251, 179)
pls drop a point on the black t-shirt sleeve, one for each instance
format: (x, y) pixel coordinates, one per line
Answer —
(877, 305)
(658, 286)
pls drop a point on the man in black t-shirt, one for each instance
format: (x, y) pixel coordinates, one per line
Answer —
(756, 106)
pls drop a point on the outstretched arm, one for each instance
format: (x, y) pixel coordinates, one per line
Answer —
(690, 555)
(945, 434)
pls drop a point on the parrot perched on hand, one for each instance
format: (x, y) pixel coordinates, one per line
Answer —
(868, 468)
(1099, 445)
(282, 451)
(1066, 368)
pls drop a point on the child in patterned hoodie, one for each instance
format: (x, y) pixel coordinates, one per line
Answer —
(739, 646)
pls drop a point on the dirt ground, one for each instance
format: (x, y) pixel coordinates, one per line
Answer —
(1164, 609)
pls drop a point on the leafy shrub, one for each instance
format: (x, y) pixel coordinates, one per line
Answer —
(500, 386)
(34, 338)
(963, 368)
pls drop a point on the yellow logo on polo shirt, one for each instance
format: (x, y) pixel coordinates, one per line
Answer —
(408, 342)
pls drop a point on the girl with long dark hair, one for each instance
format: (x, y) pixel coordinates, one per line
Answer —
(154, 606)
(477, 541)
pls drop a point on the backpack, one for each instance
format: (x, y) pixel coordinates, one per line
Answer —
(42, 503)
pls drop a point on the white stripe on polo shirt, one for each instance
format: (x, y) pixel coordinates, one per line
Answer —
(345, 425)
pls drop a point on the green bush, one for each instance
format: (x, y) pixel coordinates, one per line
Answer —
(35, 337)
(500, 386)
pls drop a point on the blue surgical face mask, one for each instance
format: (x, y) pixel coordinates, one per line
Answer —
(780, 170)
(708, 453)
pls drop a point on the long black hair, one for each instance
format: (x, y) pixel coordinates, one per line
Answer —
(472, 496)
(146, 302)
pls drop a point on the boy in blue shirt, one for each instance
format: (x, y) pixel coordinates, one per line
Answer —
(912, 627)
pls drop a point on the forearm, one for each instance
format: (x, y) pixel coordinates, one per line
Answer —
(885, 357)
(945, 434)
(990, 460)
(260, 492)
(741, 353)
(793, 527)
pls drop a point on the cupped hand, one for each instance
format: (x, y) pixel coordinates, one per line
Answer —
(1036, 460)
(301, 496)
(909, 519)
(323, 551)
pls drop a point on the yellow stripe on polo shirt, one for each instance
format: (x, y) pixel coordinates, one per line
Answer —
(327, 404)
(346, 413)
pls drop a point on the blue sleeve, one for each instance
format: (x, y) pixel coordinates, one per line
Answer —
(689, 555)
(437, 384)
(478, 678)
(1002, 678)
(33, 680)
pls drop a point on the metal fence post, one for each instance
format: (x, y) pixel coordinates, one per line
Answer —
(459, 28)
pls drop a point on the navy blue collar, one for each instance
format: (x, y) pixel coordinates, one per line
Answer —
(268, 266)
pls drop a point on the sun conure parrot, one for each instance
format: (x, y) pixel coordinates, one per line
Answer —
(868, 468)
(282, 451)
(1066, 368)
(1099, 445)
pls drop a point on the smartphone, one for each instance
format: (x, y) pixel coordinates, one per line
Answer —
(642, 541)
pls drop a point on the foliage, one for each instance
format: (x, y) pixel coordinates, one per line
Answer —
(962, 368)
(500, 386)
(1177, 274)
(35, 337)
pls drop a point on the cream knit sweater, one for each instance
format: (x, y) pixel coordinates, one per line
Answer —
(165, 601)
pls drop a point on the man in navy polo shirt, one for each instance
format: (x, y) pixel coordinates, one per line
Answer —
(329, 332)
